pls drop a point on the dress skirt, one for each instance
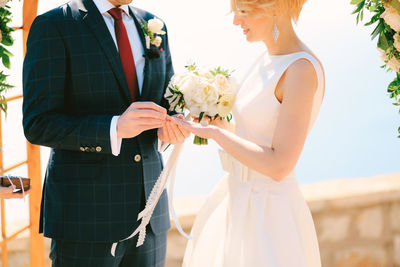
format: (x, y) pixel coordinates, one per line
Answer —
(252, 220)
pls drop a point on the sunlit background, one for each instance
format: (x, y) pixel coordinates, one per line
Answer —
(354, 136)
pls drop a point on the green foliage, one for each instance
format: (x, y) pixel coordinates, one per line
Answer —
(192, 67)
(6, 40)
(177, 97)
(385, 36)
(219, 70)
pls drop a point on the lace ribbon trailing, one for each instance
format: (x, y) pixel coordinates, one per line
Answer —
(168, 173)
(20, 181)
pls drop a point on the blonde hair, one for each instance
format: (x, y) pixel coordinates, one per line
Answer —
(261, 7)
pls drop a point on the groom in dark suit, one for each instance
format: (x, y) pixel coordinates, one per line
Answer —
(93, 92)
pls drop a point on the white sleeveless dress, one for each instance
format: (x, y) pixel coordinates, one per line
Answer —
(250, 220)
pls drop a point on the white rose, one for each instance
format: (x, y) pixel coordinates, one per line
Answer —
(225, 105)
(147, 42)
(3, 3)
(396, 38)
(222, 83)
(156, 26)
(188, 83)
(206, 74)
(391, 17)
(157, 41)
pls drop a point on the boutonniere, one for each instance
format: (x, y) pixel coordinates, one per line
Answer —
(153, 29)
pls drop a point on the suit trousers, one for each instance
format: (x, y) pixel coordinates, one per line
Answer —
(80, 254)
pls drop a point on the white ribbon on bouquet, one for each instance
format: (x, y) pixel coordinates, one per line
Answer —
(168, 173)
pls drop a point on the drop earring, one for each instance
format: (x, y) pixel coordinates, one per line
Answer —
(275, 31)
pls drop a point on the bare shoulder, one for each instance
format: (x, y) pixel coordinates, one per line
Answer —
(301, 76)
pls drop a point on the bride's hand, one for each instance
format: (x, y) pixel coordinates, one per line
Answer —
(221, 123)
(204, 131)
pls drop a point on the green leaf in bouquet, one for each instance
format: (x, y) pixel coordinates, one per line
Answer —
(229, 117)
(220, 70)
(192, 67)
(201, 116)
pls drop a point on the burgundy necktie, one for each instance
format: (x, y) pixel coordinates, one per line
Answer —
(125, 53)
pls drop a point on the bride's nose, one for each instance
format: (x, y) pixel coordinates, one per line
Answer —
(236, 20)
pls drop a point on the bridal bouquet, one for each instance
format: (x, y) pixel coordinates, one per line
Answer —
(386, 16)
(204, 93)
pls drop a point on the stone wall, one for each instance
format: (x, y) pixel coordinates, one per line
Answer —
(357, 222)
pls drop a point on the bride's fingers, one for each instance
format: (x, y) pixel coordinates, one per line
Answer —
(171, 133)
(189, 126)
(180, 137)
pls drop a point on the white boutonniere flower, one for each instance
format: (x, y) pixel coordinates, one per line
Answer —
(152, 30)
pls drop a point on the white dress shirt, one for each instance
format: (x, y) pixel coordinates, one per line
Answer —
(137, 50)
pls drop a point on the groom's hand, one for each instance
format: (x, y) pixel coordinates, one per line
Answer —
(172, 133)
(140, 117)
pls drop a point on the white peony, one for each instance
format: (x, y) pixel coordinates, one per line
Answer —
(222, 83)
(155, 26)
(200, 96)
(206, 74)
(157, 41)
(3, 3)
(225, 104)
(391, 17)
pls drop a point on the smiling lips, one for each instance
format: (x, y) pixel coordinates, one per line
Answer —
(245, 31)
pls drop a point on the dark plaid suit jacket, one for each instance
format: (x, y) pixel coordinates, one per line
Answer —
(73, 85)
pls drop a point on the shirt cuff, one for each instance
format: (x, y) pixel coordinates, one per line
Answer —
(114, 140)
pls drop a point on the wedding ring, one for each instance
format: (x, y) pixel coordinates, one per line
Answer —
(204, 122)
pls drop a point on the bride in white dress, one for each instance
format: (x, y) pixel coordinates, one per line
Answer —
(257, 216)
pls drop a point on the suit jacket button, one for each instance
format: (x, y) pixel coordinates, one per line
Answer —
(82, 149)
(87, 149)
(138, 158)
(98, 149)
(92, 149)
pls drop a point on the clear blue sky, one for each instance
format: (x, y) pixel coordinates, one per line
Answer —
(356, 132)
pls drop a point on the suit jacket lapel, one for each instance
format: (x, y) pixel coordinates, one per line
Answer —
(94, 20)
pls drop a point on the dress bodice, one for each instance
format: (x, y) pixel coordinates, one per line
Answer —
(256, 109)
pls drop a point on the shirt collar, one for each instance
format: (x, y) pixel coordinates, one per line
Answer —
(103, 6)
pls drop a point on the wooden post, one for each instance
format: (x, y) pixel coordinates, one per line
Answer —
(29, 14)
(4, 253)
(36, 243)
(33, 152)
